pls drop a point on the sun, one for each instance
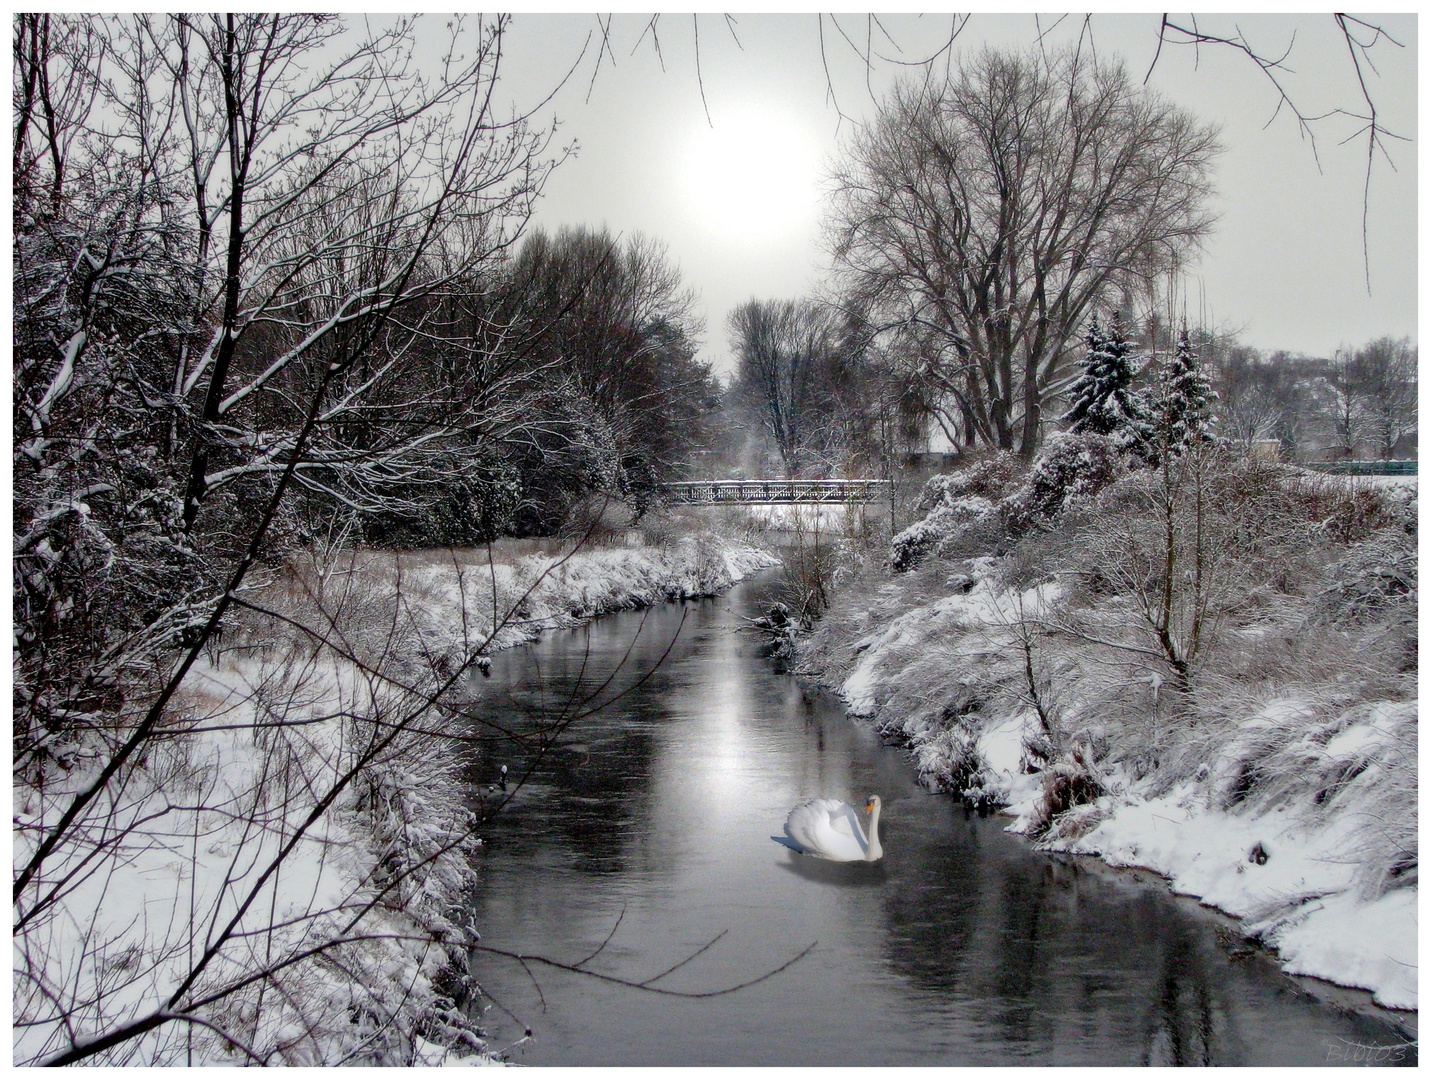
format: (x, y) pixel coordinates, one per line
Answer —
(752, 176)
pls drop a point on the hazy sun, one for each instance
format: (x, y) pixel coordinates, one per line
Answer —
(752, 176)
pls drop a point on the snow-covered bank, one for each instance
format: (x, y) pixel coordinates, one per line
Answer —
(1292, 869)
(281, 878)
(1279, 787)
(458, 599)
(1293, 883)
(1292, 866)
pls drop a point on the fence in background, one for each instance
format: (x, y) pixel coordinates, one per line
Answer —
(1366, 468)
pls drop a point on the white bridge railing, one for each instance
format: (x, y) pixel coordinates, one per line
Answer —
(715, 492)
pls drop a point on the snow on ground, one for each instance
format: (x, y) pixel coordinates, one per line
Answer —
(828, 520)
(1289, 864)
(184, 846)
(1001, 748)
(185, 856)
(469, 602)
(1408, 482)
(1301, 900)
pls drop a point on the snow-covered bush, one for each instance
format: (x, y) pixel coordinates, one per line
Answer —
(938, 532)
(959, 511)
(1070, 466)
(949, 761)
(285, 868)
(1343, 509)
(1070, 781)
(1375, 582)
(988, 477)
(1175, 557)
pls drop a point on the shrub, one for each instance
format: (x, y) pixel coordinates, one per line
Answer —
(1071, 466)
(1069, 782)
(1376, 578)
(945, 524)
(953, 504)
(990, 477)
(1345, 510)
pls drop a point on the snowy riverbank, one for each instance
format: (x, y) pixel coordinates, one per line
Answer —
(458, 599)
(1283, 792)
(282, 879)
(1305, 894)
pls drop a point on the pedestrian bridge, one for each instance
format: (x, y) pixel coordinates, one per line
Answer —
(754, 492)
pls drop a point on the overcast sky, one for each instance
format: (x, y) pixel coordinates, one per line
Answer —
(738, 200)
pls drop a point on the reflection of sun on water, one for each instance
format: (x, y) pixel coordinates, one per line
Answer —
(725, 756)
(751, 176)
(717, 747)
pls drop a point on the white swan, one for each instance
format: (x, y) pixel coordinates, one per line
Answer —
(829, 829)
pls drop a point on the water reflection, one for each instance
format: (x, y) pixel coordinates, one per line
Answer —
(1183, 1017)
(960, 947)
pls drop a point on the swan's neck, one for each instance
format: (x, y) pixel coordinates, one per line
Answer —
(874, 851)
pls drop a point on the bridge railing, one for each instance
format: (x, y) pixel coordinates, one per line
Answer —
(735, 492)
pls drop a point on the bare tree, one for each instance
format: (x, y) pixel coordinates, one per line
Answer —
(996, 209)
(225, 299)
(57, 65)
(230, 231)
(1344, 408)
(784, 349)
(1360, 38)
(1385, 373)
(1256, 395)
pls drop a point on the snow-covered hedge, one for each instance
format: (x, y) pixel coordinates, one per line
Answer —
(956, 506)
(997, 498)
(988, 477)
(947, 522)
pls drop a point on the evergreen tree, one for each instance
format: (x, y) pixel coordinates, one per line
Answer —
(1102, 399)
(1083, 394)
(1185, 400)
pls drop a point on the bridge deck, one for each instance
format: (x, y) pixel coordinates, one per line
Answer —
(751, 492)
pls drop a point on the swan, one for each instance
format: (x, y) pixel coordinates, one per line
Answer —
(829, 829)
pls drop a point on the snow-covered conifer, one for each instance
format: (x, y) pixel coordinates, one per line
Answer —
(1102, 399)
(1185, 399)
(1083, 395)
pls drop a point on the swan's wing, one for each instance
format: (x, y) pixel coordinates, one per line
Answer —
(813, 826)
(840, 817)
(848, 822)
(791, 844)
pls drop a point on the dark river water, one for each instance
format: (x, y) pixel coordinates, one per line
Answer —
(962, 946)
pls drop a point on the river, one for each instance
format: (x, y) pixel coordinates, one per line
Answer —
(962, 946)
